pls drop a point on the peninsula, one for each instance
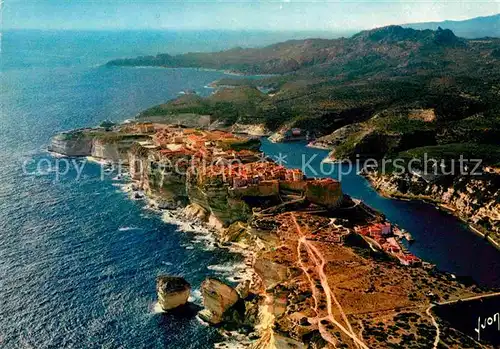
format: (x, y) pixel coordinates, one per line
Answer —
(326, 270)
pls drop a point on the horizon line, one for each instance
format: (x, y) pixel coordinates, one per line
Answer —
(298, 30)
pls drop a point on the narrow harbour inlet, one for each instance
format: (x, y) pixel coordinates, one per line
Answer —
(440, 238)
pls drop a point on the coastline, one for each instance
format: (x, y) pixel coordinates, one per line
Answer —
(306, 221)
(316, 146)
(371, 178)
(105, 240)
(437, 204)
(233, 338)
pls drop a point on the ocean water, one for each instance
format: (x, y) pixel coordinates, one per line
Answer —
(78, 259)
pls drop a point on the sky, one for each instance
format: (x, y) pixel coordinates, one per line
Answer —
(333, 15)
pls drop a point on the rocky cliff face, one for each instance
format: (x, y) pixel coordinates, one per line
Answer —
(112, 151)
(71, 144)
(253, 130)
(473, 198)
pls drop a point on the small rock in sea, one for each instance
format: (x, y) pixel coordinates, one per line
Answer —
(173, 291)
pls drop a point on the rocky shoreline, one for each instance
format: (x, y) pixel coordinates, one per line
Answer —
(317, 260)
(482, 215)
(476, 202)
(235, 326)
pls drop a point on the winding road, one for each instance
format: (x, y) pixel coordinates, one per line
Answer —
(319, 261)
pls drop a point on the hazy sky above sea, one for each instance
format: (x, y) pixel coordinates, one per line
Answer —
(340, 15)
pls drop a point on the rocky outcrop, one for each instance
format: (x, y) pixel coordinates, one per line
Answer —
(195, 212)
(218, 299)
(327, 193)
(224, 208)
(75, 143)
(336, 138)
(259, 130)
(99, 143)
(172, 291)
(473, 198)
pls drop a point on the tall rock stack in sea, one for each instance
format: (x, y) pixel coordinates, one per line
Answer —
(218, 298)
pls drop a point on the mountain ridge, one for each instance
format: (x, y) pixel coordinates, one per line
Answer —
(477, 27)
(389, 45)
(321, 85)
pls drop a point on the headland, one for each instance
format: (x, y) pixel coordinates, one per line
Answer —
(326, 270)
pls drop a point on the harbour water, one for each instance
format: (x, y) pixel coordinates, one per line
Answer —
(440, 238)
(78, 259)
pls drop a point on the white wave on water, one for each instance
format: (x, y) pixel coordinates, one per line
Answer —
(233, 272)
(128, 228)
(196, 297)
(202, 235)
(202, 238)
(57, 155)
(157, 309)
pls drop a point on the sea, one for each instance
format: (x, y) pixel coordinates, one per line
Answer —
(78, 257)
